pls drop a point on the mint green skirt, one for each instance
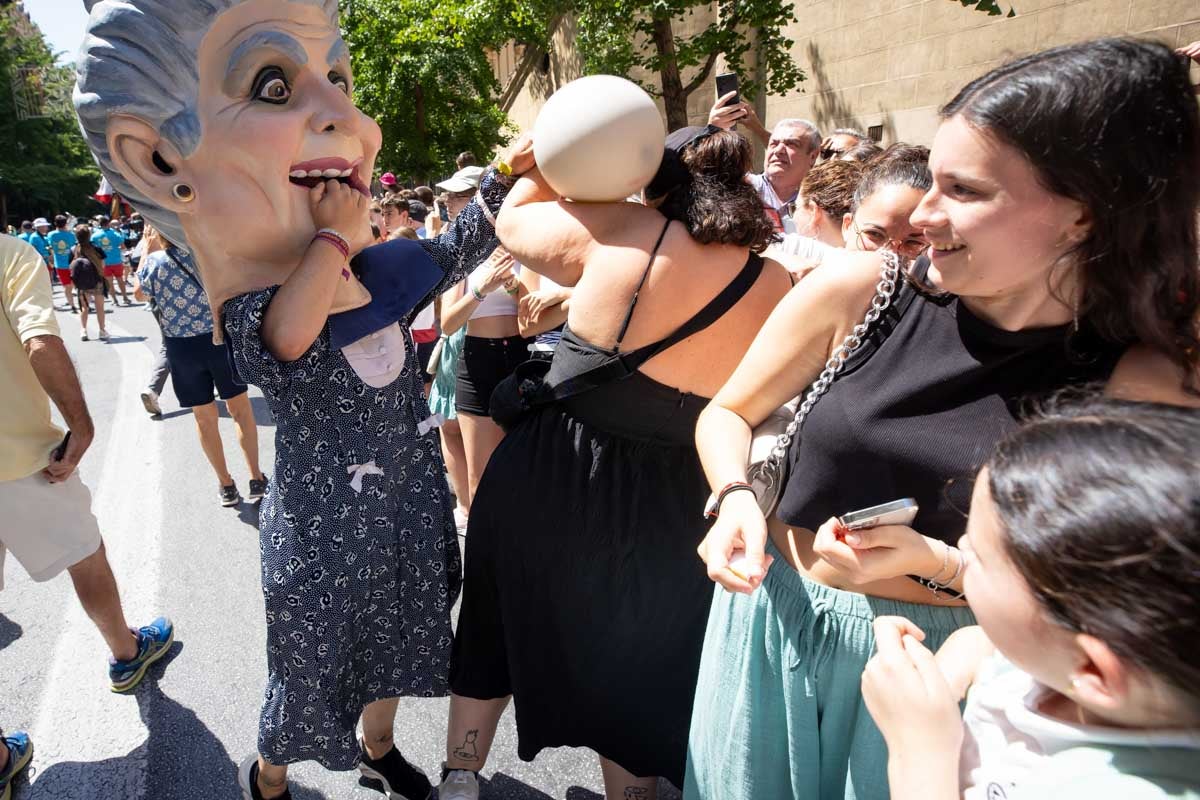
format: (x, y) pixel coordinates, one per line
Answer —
(779, 710)
(441, 396)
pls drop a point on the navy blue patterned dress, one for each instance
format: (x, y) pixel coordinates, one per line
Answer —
(360, 564)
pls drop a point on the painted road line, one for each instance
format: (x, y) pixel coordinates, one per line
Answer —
(79, 719)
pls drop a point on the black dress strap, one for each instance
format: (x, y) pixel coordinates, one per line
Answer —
(618, 366)
(641, 283)
(716, 308)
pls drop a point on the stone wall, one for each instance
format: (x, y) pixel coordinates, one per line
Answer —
(892, 63)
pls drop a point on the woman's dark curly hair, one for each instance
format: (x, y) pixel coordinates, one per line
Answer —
(716, 203)
(1113, 124)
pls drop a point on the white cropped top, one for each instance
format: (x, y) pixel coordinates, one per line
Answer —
(498, 303)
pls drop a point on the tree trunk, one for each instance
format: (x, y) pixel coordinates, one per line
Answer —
(421, 120)
(674, 98)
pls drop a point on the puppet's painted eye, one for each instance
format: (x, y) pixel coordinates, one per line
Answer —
(339, 81)
(271, 86)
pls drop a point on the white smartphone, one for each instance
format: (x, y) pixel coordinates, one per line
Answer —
(897, 512)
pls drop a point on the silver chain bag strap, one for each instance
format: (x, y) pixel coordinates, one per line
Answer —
(769, 476)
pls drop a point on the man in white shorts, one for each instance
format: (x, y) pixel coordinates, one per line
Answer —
(48, 522)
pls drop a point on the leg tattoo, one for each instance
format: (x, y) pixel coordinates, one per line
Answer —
(467, 750)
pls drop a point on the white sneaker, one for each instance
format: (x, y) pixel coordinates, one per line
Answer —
(103, 335)
(83, 337)
(460, 784)
(150, 403)
(460, 521)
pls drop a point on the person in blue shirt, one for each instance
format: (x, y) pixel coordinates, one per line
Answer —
(61, 241)
(26, 231)
(110, 241)
(41, 227)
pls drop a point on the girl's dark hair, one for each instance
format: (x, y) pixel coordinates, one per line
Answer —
(1113, 124)
(899, 165)
(83, 241)
(716, 203)
(830, 186)
(1100, 502)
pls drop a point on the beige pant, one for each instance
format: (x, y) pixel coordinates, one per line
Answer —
(47, 526)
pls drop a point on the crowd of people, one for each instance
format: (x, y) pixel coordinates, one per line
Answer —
(989, 347)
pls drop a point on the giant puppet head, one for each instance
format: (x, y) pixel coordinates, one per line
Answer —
(214, 118)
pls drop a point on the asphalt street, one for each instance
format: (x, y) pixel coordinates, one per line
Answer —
(175, 551)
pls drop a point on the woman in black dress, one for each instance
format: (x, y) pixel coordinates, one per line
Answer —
(583, 597)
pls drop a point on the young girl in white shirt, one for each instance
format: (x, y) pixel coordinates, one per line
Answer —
(1082, 565)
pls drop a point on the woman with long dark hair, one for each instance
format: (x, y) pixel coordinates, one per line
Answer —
(1059, 256)
(582, 597)
(88, 264)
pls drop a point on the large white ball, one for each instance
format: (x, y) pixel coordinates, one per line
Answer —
(599, 139)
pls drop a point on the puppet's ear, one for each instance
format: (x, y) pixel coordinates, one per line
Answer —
(145, 159)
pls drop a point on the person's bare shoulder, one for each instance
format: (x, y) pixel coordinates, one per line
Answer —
(1147, 375)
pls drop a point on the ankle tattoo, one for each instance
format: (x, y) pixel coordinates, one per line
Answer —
(636, 793)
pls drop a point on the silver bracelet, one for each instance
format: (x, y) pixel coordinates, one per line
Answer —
(945, 564)
(957, 570)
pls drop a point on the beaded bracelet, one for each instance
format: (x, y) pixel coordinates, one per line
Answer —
(338, 243)
(478, 295)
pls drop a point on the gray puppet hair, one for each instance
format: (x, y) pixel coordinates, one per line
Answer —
(139, 57)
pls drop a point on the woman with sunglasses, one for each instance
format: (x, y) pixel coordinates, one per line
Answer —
(1058, 257)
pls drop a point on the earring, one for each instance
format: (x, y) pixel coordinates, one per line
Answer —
(183, 193)
(1076, 682)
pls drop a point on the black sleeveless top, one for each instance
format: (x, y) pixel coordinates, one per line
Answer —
(629, 403)
(919, 408)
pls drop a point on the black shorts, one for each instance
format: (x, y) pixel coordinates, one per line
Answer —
(198, 367)
(483, 364)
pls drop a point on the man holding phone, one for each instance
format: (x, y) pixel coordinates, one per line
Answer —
(46, 508)
(791, 150)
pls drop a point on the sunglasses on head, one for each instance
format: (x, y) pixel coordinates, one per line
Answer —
(828, 153)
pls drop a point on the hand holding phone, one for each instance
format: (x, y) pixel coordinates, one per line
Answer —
(897, 512)
(874, 544)
(728, 82)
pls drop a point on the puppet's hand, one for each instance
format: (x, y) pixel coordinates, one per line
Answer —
(345, 210)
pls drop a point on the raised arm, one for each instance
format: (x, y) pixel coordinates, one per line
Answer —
(468, 240)
(550, 236)
(301, 307)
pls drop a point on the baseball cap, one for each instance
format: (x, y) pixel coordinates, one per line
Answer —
(672, 173)
(42, 222)
(387, 179)
(464, 180)
(417, 210)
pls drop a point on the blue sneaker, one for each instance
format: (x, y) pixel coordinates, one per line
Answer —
(20, 751)
(154, 640)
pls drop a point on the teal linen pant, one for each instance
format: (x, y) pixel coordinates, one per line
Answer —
(779, 711)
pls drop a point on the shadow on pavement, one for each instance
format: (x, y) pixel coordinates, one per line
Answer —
(125, 339)
(181, 758)
(248, 514)
(9, 631)
(179, 412)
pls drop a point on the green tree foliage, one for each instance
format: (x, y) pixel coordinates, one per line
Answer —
(421, 70)
(627, 36)
(45, 166)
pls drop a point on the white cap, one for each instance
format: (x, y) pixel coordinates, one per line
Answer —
(464, 180)
(41, 222)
